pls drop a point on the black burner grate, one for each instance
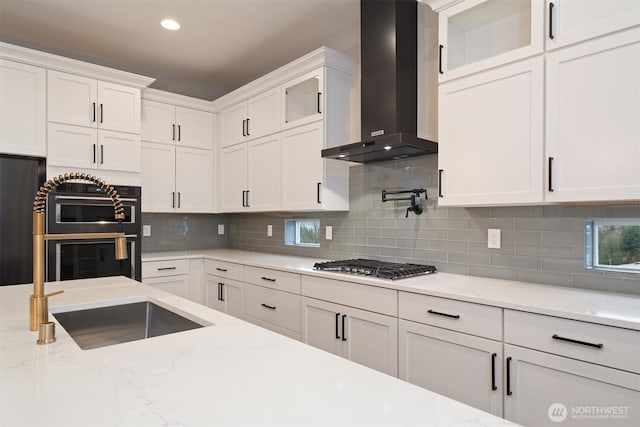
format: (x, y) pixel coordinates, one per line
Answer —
(371, 267)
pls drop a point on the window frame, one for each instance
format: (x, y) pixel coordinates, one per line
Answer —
(592, 244)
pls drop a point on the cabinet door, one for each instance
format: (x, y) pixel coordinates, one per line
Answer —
(72, 146)
(194, 128)
(119, 107)
(460, 366)
(118, 151)
(263, 159)
(321, 324)
(303, 99)
(177, 285)
(225, 295)
(490, 136)
(302, 167)
(158, 122)
(194, 180)
(233, 125)
(593, 111)
(233, 178)
(543, 390)
(23, 118)
(264, 114)
(572, 21)
(158, 177)
(72, 99)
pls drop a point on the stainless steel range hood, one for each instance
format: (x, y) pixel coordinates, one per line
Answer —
(389, 100)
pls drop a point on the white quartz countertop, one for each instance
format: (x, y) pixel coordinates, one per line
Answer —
(590, 306)
(229, 373)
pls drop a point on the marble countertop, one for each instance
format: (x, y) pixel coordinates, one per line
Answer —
(590, 306)
(229, 373)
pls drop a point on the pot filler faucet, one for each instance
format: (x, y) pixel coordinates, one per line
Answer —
(38, 303)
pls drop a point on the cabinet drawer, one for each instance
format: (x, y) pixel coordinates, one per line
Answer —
(272, 306)
(275, 279)
(475, 319)
(604, 345)
(165, 268)
(228, 270)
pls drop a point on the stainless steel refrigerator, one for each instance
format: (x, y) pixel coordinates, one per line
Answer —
(20, 178)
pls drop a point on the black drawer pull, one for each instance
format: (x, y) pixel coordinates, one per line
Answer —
(344, 332)
(268, 279)
(509, 392)
(221, 269)
(453, 316)
(337, 331)
(221, 291)
(166, 268)
(588, 344)
(270, 307)
(493, 371)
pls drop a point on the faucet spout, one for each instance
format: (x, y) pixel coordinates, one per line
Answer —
(38, 303)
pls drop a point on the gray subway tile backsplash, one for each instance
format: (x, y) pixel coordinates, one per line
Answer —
(543, 244)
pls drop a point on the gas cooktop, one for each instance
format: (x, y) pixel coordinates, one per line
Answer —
(371, 267)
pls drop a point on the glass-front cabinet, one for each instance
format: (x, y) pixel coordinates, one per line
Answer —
(303, 99)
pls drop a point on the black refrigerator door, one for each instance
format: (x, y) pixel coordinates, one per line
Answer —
(20, 178)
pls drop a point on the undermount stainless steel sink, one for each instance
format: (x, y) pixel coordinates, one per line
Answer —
(116, 324)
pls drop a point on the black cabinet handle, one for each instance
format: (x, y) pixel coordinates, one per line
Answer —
(94, 152)
(94, 113)
(221, 269)
(173, 132)
(319, 93)
(221, 291)
(247, 197)
(178, 199)
(337, 330)
(440, 59)
(268, 279)
(243, 205)
(101, 113)
(551, 6)
(244, 132)
(270, 307)
(440, 182)
(509, 392)
(493, 371)
(179, 137)
(173, 199)
(248, 134)
(551, 174)
(166, 268)
(101, 154)
(344, 332)
(318, 192)
(453, 316)
(571, 340)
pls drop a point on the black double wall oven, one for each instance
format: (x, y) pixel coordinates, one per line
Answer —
(85, 208)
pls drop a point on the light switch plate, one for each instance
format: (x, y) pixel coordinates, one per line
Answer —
(493, 238)
(269, 230)
(220, 229)
(328, 232)
(146, 230)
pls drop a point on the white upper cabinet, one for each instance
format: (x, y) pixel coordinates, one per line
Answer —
(593, 120)
(22, 109)
(479, 34)
(158, 177)
(303, 99)
(232, 169)
(263, 168)
(83, 101)
(257, 117)
(572, 21)
(169, 124)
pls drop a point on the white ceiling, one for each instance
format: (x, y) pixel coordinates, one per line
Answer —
(222, 44)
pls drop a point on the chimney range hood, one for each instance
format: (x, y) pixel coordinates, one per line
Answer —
(389, 100)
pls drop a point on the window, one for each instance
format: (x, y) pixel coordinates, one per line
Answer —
(613, 244)
(302, 232)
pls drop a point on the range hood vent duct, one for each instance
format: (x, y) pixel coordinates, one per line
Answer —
(389, 85)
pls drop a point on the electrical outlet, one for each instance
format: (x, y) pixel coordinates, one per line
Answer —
(493, 238)
(146, 231)
(328, 232)
(220, 229)
(269, 230)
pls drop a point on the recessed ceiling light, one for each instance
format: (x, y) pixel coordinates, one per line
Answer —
(170, 24)
(387, 147)
(342, 156)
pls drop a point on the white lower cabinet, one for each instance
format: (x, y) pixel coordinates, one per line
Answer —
(177, 285)
(272, 309)
(225, 295)
(542, 389)
(368, 338)
(460, 366)
(172, 276)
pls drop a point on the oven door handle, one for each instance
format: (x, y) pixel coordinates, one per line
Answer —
(106, 199)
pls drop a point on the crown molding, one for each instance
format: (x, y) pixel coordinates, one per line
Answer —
(151, 94)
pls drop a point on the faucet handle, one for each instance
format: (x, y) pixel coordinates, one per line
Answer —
(54, 293)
